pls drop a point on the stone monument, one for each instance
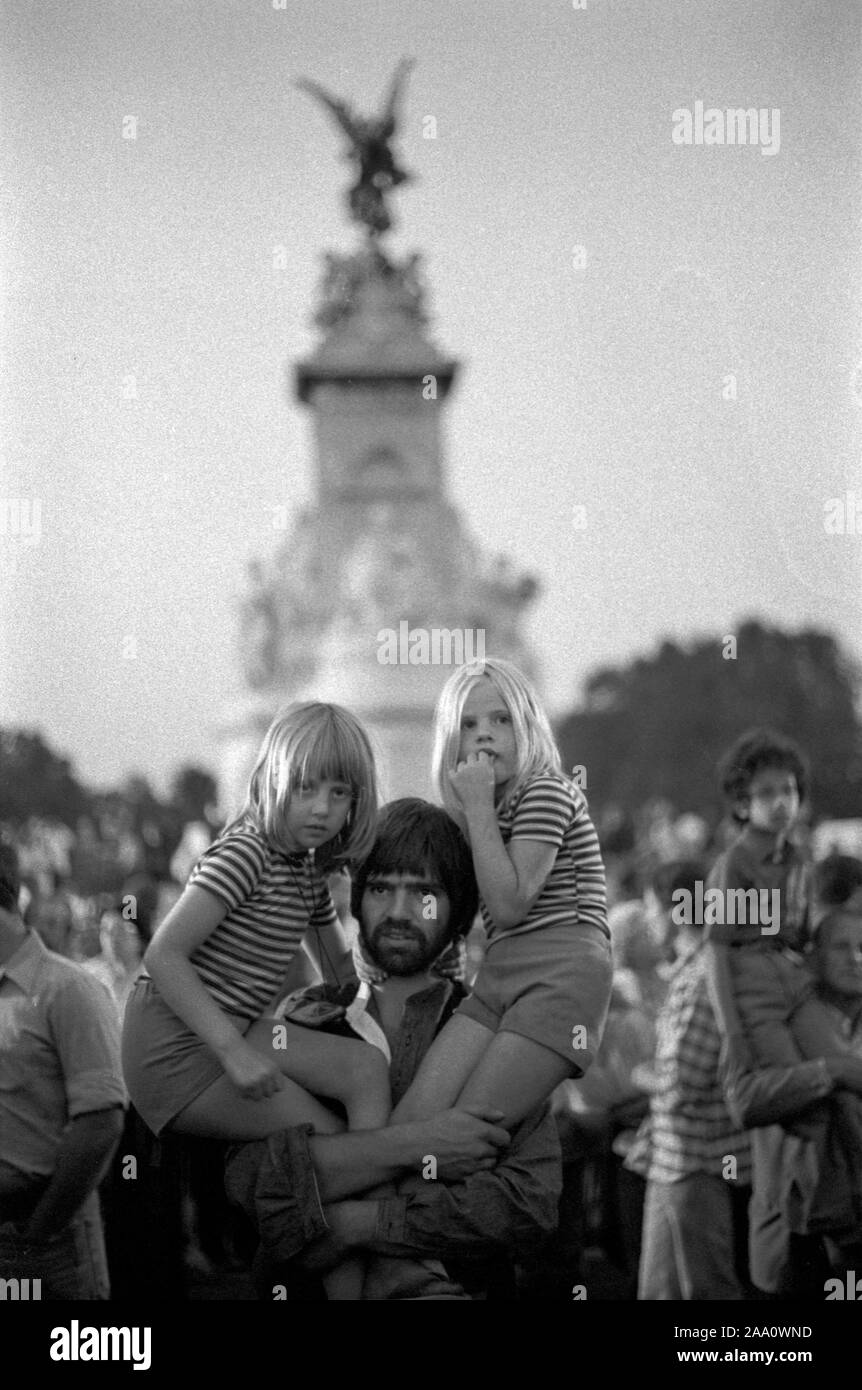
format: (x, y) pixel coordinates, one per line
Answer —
(379, 588)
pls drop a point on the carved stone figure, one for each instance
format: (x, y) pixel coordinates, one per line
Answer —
(370, 150)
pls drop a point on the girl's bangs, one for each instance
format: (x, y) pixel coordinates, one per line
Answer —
(327, 752)
(465, 681)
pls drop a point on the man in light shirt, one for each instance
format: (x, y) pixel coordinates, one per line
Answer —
(61, 1109)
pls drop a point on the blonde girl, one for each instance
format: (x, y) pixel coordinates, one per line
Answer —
(201, 1053)
(539, 1003)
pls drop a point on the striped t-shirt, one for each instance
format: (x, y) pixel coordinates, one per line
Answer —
(272, 898)
(552, 809)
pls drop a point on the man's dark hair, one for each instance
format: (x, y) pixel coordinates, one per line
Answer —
(10, 877)
(755, 750)
(670, 878)
(414, 837)
(836, 879)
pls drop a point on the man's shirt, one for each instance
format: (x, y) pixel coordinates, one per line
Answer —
(59, 1058)
(508, 1209)
(689, 1128)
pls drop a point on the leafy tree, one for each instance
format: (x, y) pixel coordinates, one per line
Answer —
(132, 828)
(194, 793)
(658, 726)
(37, 781)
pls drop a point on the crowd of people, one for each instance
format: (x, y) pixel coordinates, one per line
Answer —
(438, 1052)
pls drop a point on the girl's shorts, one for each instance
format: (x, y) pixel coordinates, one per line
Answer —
(551, 984)
(166, 1066)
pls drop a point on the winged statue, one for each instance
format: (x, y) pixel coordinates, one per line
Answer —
(370, 150)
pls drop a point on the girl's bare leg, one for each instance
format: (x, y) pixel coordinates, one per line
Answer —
(343, 1069)
(515, 1075)
(352, 1072)
(220, 1112)
(445, 1069)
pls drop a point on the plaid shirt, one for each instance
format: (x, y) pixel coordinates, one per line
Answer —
(689, 1128)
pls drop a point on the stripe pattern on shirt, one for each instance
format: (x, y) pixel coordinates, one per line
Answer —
(553, 810)
(271, 898)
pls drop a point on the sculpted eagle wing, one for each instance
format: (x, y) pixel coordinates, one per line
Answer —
(340, 110)
(390, 110)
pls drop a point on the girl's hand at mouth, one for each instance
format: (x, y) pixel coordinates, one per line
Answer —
(473, 781)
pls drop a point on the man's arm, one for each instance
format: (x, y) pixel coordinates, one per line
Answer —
(460, 1140)
(84, 1027)
(772, 1095)
(86, 1149)
(281, 1182)
(512, 1208)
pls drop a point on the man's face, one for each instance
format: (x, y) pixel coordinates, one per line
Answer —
(839, 957)
(773, 802)
(404, 921)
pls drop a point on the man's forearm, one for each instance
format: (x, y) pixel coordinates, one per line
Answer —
(461, 1141)
(449, 1223)
(85, 1151)
(771, 1095)
(354, 1162)
(512, 1207)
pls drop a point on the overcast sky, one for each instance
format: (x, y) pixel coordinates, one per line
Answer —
(604, 386)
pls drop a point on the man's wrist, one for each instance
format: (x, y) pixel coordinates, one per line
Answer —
(409, 1143)
(840, 1070)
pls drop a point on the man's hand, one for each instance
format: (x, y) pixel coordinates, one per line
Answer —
(846, 1071)
(473, 782)
(463, 1141)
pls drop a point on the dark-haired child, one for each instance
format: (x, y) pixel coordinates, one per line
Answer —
(761, 986)
(765, 888)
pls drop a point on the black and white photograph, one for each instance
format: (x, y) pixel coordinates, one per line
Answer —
(430, 543)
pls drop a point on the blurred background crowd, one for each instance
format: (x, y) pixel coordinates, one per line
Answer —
(102, 868)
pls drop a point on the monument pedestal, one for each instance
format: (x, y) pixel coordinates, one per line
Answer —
(381, 545)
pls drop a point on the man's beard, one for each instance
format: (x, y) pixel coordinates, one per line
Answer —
(410, 954)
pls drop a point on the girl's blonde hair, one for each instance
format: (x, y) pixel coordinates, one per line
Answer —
(535, 749)
(313, 741)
